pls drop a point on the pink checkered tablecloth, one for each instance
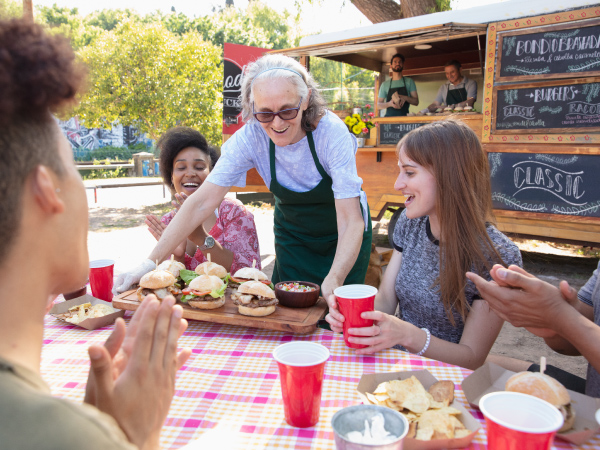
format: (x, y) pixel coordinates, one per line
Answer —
(228, 395)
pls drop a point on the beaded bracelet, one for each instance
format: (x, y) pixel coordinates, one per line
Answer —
(427, 341)
(195, 251)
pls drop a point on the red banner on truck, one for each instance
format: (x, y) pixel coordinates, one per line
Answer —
(235, 59)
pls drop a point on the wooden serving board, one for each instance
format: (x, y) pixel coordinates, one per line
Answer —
(295, 320)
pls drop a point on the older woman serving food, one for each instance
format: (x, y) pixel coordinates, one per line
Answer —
(186, 160)
(306, 157)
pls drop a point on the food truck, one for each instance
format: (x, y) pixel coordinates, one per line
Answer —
(537, 113)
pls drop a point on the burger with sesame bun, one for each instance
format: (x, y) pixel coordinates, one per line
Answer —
(254, 298)
(205, 292)
(160, 283)
(547, 388)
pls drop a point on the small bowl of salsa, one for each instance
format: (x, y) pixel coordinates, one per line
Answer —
(297, 294)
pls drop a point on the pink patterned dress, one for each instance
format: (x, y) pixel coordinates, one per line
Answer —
(235, 231)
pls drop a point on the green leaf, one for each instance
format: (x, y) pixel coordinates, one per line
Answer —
(219, 292)
(187, 275)
(185, 298)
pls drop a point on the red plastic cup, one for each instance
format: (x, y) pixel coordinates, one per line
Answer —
(518, 421)
(301, 366)
(353, 300)
(101, 278)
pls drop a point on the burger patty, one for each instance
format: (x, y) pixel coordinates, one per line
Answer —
(162, 292)
(252, 301)
(205, 298)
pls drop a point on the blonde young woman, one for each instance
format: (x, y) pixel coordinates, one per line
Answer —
(425, 303)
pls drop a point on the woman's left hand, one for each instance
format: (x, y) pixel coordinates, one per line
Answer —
(179, 199)
(385, 332)
(156, 228)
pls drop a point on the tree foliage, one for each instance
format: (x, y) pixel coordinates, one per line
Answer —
(10, 9)
(378, 11)
(159, 70)
(144, 75)
(343, 85)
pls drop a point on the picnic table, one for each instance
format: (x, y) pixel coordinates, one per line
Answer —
(228, 394)
(123, 182)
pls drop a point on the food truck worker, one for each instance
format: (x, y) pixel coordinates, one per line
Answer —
(397, 93)
(458, 90)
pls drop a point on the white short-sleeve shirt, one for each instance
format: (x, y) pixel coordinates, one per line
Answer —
(335, 147)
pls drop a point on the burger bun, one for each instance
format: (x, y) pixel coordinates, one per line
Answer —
(249, 273)
(546, 388)
(157, 279)
(256, 288)
(207, 304)
(172, 266)
(206, 283)
(211, 268)
(256, 312)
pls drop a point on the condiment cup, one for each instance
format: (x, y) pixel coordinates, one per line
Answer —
(301, 366)
(353, 300)
(101, 278)
(518, 421)
(352, 418)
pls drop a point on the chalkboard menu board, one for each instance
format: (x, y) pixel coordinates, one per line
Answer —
(549, 106)
(391, 133)
(559, 51)
(546, 183)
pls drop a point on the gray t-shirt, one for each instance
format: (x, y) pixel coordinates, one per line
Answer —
(418, 298)
(467, 83)
(590, 295)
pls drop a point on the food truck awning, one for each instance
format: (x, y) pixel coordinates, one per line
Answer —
(451, 33)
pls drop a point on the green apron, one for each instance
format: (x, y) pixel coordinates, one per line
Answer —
(456, 96)
(306, 232)
(395, 112)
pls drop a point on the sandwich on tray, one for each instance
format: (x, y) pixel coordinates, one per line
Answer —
(160, 283)
(249, 274)
(175, 267)
(205, 292)
(211, 268)
(206, 268)
(254, 298)
(547, 388)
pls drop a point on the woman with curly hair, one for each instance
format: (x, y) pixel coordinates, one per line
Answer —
(425, 303)
(306, 158)
(43, 228)
(186, 160)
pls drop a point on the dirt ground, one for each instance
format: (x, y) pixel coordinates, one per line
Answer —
(551, 262)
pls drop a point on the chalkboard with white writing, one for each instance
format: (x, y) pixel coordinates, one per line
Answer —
(391, 133)
(572, 106)
(558, 51)
(546, 183)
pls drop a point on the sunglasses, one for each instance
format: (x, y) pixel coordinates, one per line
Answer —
(285, 114)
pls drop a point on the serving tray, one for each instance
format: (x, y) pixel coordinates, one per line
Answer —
(294, 320)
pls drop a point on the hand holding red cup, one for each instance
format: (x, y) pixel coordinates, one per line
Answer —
(353, 300)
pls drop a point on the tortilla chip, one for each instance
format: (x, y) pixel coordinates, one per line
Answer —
(442, 390)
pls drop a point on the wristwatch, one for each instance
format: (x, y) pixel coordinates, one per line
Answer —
(209, 243)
